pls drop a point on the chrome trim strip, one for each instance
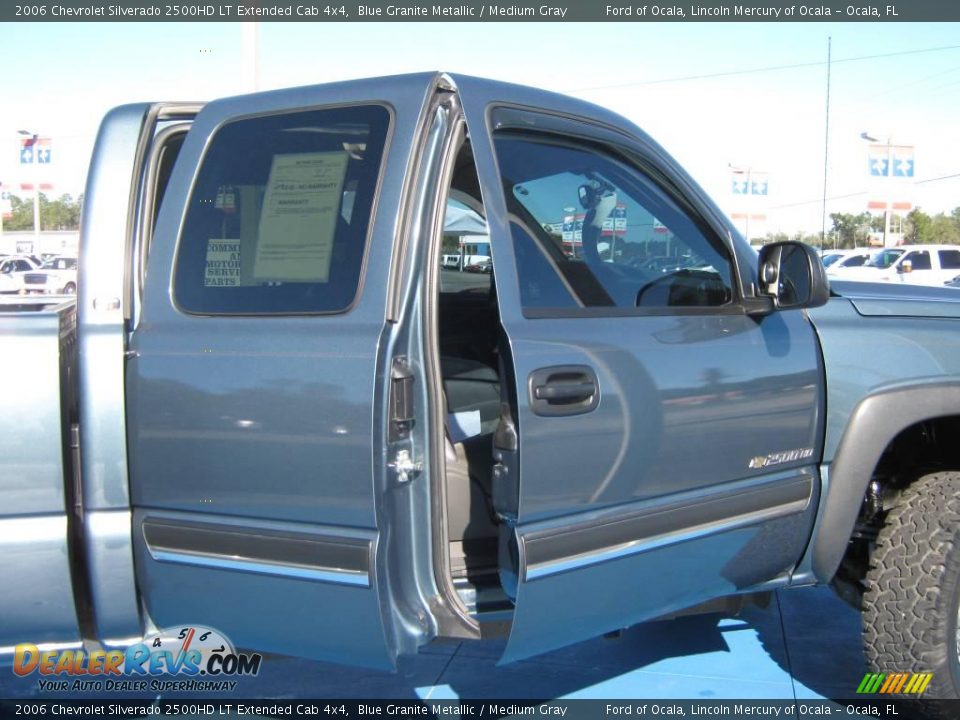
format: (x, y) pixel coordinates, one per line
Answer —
(623, 532)
(222, 562)
(111, 643)
(44, 647)
(314, 556)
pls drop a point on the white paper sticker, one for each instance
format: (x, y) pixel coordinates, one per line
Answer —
(299, 217)
(223, 263)
(463, 425)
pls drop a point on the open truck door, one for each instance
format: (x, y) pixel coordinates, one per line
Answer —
(133, 156)
(647, 468)
(259, 377)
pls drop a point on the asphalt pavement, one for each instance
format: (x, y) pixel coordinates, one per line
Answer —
(803, 646)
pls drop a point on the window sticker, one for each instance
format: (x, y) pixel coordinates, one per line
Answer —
(299, 218)
(223, 263)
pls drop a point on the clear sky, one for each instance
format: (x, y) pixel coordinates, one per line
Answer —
(713, 94)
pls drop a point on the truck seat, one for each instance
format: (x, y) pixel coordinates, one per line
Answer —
(472, 386)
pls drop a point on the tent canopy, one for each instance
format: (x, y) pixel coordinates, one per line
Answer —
(463, 221)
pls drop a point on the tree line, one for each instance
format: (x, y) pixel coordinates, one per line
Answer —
(60, 214)
(850, 231)
(917, 227)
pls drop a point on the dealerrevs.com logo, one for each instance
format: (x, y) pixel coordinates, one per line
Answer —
(186, 658)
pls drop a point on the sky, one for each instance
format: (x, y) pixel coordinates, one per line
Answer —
(715, 95)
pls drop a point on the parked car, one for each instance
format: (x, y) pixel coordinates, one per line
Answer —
(663, 264)
(57, 276)
(481, 266)
(827, 257)
(836, 262)
(878, 259)
(12, 270)
(931, 265)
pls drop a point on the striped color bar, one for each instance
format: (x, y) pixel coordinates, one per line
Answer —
(894, 683)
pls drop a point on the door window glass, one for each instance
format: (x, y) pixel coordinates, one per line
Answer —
(920, 260)
(604, 234)
(278, 218)
(950, 259)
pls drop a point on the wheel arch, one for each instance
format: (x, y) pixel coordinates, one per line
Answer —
(874, 425)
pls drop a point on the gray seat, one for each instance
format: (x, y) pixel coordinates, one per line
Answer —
(472, 386)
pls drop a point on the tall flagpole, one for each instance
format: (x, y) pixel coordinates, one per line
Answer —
(826, 152)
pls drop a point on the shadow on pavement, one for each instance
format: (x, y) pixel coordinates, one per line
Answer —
(709, 657)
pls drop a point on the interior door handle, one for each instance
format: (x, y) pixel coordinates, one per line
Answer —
(563, 390)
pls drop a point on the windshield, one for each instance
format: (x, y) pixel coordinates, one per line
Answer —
(829, 260)
(883, 259)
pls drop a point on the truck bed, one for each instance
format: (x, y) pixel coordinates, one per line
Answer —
(37, 364)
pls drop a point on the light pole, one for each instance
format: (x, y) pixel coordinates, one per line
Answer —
(36, 189)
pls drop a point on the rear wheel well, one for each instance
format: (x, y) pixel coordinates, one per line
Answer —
(920, 449)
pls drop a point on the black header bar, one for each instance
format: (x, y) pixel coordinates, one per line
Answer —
(335, 11)
(185, 706)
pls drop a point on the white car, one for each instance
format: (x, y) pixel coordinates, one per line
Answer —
(828, 257)
(57, 276)
(837, 261)
(910, 264)
(12, 270)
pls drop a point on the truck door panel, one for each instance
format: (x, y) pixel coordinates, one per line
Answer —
(689, 473)
(254, 383)
(113, 214)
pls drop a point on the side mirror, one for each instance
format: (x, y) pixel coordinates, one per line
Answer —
(906, 266)
(792, 275)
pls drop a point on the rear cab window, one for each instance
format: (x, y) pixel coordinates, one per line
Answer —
(278, 218)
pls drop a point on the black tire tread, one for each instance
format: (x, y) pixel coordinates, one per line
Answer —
(912, 584)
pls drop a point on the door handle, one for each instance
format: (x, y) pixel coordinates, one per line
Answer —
(563, 390)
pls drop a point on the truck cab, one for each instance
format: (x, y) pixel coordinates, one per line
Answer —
(282, 400)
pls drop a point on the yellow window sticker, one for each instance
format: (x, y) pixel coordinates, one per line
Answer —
(299, 218)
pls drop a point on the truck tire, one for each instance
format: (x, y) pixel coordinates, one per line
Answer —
(910, 607)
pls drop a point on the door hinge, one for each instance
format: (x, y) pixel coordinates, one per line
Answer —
(404, 466)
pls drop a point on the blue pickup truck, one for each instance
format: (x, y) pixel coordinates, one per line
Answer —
(271, 390)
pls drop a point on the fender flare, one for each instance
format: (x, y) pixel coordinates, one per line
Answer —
(873, 424)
